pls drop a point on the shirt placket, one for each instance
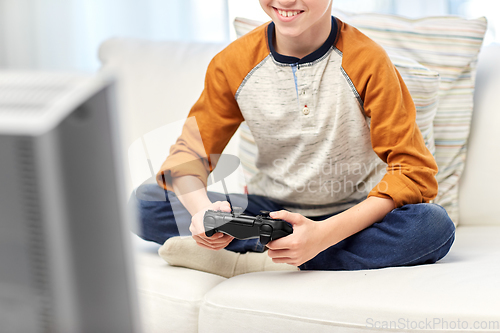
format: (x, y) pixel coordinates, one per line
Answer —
(304, 98)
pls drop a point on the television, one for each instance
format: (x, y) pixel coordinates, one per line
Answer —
(65, 256)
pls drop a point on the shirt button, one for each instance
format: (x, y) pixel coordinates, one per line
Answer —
(305, 110)
(303, 92)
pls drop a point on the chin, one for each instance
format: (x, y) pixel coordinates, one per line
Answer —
(289, 32)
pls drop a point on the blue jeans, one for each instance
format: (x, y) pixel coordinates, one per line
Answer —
(410, 235)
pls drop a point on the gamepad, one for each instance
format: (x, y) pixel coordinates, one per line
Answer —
(243, 226)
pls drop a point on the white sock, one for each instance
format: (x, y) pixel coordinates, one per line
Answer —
(185, 252)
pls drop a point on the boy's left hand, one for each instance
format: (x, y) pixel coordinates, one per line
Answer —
(299, 247)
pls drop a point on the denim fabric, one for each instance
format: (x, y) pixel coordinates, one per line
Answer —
(410, 235)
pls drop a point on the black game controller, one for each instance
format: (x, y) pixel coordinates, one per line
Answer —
(242, 226)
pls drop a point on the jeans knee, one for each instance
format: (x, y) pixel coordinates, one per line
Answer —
(159, 213)
(438, 216)
(424, 222)
(426, 229)
(150, 192)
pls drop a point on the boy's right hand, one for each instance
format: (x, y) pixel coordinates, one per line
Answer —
(219, 240)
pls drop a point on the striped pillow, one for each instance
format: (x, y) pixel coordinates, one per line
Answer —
(422, 83)
(448, 45)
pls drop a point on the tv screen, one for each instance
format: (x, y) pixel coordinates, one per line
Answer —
(65, 260)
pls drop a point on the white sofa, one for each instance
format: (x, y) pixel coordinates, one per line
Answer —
(159, 81)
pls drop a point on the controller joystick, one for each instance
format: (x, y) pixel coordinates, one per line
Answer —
(266, 232)
(265, 213)
(237, 210)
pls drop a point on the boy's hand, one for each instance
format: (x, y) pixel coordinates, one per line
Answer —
(219, 240)
(299, 247)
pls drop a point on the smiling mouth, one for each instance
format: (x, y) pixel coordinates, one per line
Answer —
(288, 13)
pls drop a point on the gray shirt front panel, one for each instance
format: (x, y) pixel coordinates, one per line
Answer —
(312, 137)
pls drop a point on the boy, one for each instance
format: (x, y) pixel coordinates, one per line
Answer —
(316, 94)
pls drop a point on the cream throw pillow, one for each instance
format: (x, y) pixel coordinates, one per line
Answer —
(450, 46)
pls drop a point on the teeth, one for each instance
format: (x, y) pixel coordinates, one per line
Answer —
(287, 13)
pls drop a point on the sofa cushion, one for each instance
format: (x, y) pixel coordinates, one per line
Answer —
(479, 204)
(461, 287)
(170, 297)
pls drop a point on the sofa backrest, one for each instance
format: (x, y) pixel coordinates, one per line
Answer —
(157, 84)
(479, 197)
(159, 81)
